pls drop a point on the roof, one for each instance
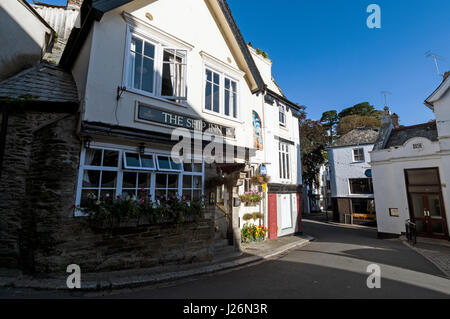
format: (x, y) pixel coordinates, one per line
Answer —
(439, 92)
(400, 136)
(43, 83)
(359, 136)
(93, 10)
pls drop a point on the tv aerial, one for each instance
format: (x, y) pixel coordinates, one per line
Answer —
(386, 93)
(435, 58)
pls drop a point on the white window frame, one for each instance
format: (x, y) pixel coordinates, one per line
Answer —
(181, 170)
(120, 169)
(284, 154)
(160, 46)
(359, 153)
(141, 168)
(222, 76)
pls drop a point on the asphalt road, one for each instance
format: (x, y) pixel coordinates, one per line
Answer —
(333, 266)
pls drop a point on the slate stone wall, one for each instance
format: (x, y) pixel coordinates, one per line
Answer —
(37, 184)
(38, 233)
(128, 248)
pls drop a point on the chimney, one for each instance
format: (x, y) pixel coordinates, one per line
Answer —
(446, 75)
(395, 118)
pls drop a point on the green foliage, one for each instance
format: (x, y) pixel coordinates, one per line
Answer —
(313, 138)
(329, 120)
(351, 122)
(363, 109)
(254, 216)
(115, 212)
(251, 198)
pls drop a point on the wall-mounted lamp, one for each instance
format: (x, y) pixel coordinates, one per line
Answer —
(120, 90)
(142, 148)
(87, 142)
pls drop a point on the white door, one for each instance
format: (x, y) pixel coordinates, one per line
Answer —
(286, 211)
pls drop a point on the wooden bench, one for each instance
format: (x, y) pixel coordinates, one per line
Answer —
(359, 216)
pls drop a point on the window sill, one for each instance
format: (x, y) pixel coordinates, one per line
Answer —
(150, 95)
(223, 117)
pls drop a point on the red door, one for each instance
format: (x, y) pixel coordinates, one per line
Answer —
(273, 223)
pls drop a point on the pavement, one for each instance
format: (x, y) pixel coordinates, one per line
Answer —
(251, 254)
(436, 251)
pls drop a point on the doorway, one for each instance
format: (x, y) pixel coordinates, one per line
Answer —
(426, 202)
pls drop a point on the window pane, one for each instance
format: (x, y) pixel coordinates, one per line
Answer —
(227, 103)
(197, 182)
(216, 78)
(361, 186)
(149, 50)
(161, 180)
(198, 168)
(176, 166)
(163, 162)
(91, 179)
(216, 99)
(147, 161)
(109, 179)
(168, 79)
(187, 181)
(137, 72)
(187, 167)
(147, 75)
(129, 180)
(93, 157)
(208, 96)
(86, 195)
(110, 158)
(208, 75)
(197, 195)
(136, 45)
(132, 160)
(173, 181)
(234, 103)
(107, 194)
(144, 181)
(423, 177)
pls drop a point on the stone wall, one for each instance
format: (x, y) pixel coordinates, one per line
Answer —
(37, 183)
(128, 248)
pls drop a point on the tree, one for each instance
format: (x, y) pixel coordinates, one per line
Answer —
(363, 109)
(313, 138)
(351, 122)
(329, 120)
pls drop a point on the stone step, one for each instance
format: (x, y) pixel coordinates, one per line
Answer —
(221, 243)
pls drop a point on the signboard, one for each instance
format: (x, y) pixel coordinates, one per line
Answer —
(263, 170)
(150, 114)
(257, 132)
(368, 173)
(393, 212)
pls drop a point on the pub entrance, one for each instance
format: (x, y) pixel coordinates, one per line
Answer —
(426, 203)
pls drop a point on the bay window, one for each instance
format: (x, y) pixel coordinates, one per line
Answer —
(221, 94)
(108, 173)
(155, 69)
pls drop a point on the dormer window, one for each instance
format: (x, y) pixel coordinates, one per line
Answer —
(154, 68)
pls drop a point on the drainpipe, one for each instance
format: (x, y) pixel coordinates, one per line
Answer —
(3, 138)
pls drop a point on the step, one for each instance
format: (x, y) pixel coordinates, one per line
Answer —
(221, 243)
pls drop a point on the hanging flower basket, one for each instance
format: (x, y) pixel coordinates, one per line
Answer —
(260, 180)
(251, 198)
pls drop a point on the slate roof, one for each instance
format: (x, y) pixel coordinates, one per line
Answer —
(44, 83)
(400, 136)
(359, 136)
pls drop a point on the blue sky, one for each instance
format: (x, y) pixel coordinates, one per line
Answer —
(326, 58)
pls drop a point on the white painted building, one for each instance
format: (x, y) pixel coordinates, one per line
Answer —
(20, 21)
(351, 184)
(411, 171)
(145, 68)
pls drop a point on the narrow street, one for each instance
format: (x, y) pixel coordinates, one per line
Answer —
(333, 266)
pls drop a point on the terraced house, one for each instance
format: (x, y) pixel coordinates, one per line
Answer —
(137, 71)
